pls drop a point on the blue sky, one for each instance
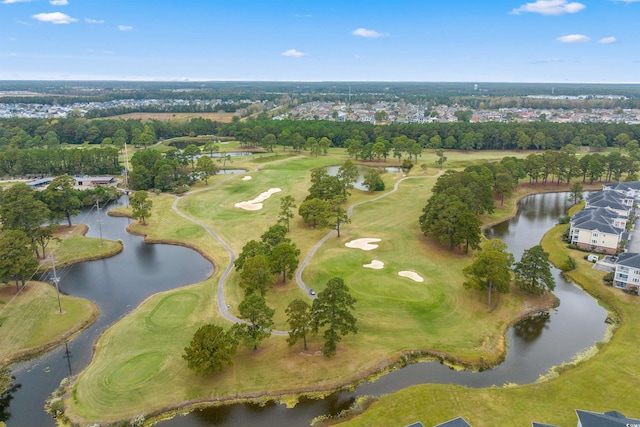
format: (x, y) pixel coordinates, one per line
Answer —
(595, 41)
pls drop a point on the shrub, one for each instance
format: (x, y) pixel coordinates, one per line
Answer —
(569, 264)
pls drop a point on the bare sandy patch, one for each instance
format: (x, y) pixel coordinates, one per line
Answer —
(365, 244)
(411, 275)
(375, 264)
(246, 178)
(256, 203)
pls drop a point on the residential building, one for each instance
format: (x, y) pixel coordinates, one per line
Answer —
(606, 419)
(598, 229)
(627, 274)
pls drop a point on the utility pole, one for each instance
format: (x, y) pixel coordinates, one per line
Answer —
(99, 221)
(56, 279)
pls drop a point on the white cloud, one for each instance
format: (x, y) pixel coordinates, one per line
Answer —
(356, 56)
(59, 2)
(15, 1)
(125, 27)
(363, 32)
(608, 40)
(549, 7)
(573, 38)
(93, 21)
(294, 53)
(54, 18)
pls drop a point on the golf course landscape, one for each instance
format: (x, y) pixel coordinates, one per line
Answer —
(410, 306)
(137, 360)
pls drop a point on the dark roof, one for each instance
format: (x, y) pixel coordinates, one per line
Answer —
(542, 425)
(608, 199)
(607, 419)
(456, 422)
(623, 186)
(629, 259)
(597, 212)
(93, 179)
(39, 182)
(601, 226)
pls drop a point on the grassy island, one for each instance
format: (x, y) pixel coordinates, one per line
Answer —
(46, 326)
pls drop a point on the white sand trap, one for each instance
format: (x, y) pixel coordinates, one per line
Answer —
(364, 244)
(375, 264)
(246, 178)
(256, 204)
(411, 275)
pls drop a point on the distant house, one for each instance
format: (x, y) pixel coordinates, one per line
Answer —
(94, 180)
(606, 419)
(627, 274)
(598, 229)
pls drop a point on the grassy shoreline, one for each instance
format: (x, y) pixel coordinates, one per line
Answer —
(602, 380)
(251, 382)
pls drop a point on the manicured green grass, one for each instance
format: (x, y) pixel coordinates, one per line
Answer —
(394, 314)
(607, 381)
(32, 322)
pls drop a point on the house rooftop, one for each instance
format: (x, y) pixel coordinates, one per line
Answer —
(456, 422)
(606, 419)
(629, 259)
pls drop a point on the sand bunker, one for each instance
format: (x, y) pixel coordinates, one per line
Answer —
(246, 178)
(411, 275)
(256, 204)
(375, 264)
(364, 244)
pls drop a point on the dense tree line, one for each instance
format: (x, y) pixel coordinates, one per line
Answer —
(58, 161)
(29, 219)
(417, 92)
(38, 133)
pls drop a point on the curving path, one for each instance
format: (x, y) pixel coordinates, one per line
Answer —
(222, 305)
(317, 246)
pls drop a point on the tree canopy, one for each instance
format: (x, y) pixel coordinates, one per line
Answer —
(210, 350)
(491, 268)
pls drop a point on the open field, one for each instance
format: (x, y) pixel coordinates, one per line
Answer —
(602, 383)
(220, 116)
(394, 314)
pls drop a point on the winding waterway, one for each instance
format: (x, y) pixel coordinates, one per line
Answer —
(535, 344)
(120, 283)
(117, 285)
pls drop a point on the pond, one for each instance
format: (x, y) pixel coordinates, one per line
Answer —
(118, 284)
(535, 344)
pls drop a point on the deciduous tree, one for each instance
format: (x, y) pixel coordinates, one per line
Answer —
(259, 318)
(284, 259)
(490, 269)
(210, 350)
(141, 206)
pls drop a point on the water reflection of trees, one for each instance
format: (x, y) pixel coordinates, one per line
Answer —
(531, 328)
(214, 415)
(7, 388)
